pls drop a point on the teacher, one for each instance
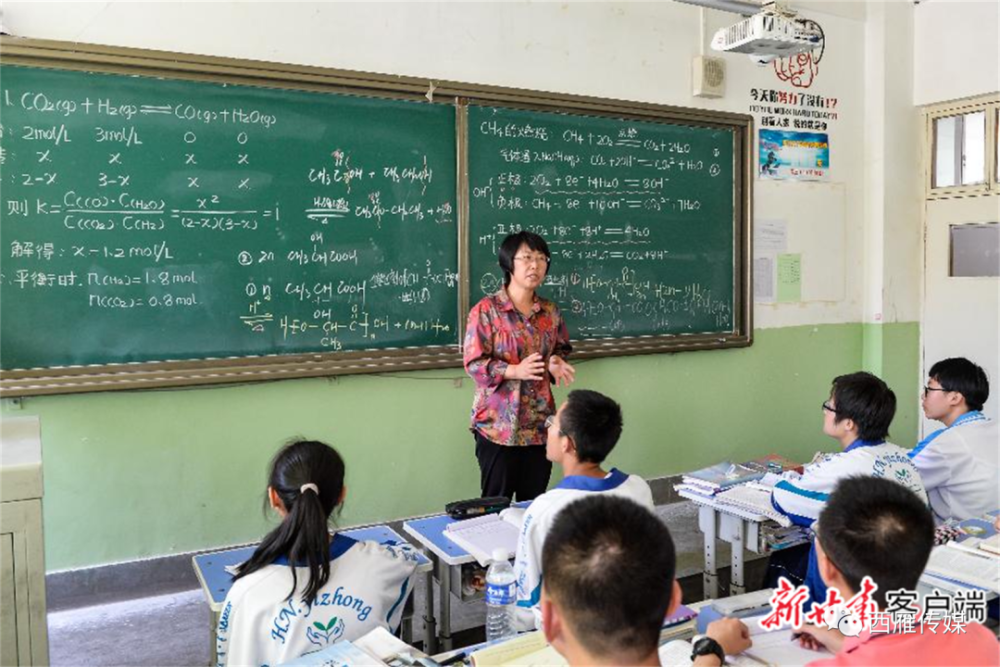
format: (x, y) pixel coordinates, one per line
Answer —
(515, 347)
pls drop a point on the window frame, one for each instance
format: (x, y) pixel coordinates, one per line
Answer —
(991, 182)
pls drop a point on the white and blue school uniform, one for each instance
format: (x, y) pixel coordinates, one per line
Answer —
(803, 498)
(538, 520)
(960, 466)
(368, 586)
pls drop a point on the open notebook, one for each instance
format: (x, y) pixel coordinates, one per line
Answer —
(481, 535)
(769, 648)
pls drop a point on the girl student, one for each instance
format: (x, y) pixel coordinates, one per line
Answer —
(304, 589)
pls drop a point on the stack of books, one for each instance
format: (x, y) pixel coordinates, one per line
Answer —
(709, 482)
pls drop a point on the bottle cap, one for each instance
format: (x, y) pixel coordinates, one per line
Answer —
(499, 555)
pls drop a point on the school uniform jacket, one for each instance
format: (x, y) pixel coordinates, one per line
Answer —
(960, 466)
(538, 519)
(803, 499)
(368, 586)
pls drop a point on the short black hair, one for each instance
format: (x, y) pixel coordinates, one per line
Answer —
(878, 528)
(513, 243)
(609, 564)
(961, 375)
(866, 400)
(593, 421)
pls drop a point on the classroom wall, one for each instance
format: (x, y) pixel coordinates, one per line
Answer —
(135, 474)
(956, 50)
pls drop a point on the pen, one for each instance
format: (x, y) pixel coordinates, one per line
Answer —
(458, 657)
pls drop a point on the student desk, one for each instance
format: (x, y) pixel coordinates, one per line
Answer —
(216, 582)
(741, 528)
(448, 558)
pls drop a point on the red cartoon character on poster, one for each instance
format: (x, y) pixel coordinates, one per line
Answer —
(799, 70)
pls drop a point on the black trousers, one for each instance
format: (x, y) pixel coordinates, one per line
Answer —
(506, 471)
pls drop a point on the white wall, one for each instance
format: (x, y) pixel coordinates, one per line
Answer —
(632, 51)
(956, 50)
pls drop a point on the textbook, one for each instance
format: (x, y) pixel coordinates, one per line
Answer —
(991, 545)
(954, 563)
(755, 499)
(481, 535)
(724, 475)
(527, 650)
(341, 654)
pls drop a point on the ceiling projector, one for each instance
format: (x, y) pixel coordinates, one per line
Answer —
(768, 35)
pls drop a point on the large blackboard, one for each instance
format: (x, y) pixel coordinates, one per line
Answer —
(640, 217)
(148, 220)
(171, 220)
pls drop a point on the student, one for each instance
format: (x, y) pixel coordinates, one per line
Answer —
(338, 589)
(609, 582)
(872, 527)
(960, 463)
(580, 436)
(857, 415)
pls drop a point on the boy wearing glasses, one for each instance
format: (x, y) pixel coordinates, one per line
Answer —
(580, 436)
(960, 463)
(857, 415)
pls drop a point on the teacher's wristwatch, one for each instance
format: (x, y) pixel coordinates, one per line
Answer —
(705, 645)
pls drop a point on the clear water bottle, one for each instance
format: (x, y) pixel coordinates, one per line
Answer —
(500, 598)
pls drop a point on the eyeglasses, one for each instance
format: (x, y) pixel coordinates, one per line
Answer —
(532, 259)
(828, 407)
(550, 420)
(930, 389)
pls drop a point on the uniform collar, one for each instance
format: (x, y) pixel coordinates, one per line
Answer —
(338, 547)
(858, 444)
(613, 480)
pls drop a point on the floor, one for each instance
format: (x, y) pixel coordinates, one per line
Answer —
(173, 629)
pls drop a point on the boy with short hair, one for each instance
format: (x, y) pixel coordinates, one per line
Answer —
(857, 415)
(872, 527)
(960, 463)
(609, 582)
(580, 436)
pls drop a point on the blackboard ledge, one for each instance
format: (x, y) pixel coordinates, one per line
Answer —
(193, 373)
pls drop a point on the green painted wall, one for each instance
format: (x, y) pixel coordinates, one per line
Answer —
(133, 475)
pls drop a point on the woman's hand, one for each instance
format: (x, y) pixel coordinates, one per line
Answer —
(532, 367)
(561, 371)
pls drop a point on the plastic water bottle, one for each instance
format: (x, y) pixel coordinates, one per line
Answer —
(500, 598)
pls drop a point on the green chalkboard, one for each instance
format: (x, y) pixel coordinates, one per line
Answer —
(641, 216)
(148, 219)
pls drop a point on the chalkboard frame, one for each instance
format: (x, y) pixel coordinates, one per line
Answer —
(49, 54)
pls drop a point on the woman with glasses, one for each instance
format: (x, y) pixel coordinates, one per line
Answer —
(515, 348)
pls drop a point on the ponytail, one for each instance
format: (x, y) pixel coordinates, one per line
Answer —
(308, 477)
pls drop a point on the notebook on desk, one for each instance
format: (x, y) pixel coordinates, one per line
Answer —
(482, 535)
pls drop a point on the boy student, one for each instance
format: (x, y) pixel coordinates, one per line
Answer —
(872, 527)
(960, 463)
(609, 582)
(857, 415)
(580, 436)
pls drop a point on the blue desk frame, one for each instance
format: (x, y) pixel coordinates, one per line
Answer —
(216, 581)
(448, 559)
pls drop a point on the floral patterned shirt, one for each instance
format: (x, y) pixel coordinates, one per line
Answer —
(512, 412)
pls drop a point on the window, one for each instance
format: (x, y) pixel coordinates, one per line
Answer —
(964, 143)
(959, 149)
